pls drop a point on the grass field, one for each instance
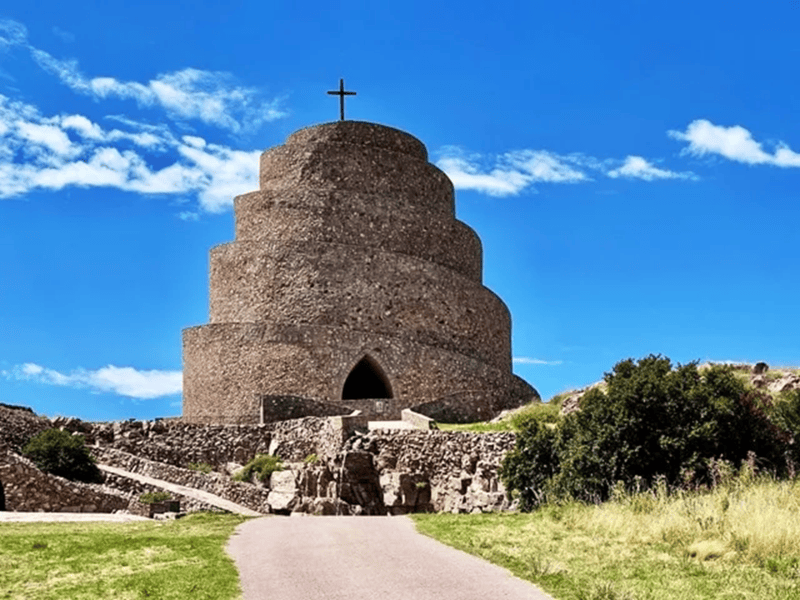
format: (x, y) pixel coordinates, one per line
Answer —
(741, 541)
(156, 559)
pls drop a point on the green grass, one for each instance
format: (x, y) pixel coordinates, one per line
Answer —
(741, 541)
(546, 411)
(155, 559)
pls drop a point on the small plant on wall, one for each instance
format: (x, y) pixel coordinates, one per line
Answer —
(154, 497)
(262, 466)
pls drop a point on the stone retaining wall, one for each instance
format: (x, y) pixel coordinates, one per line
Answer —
(27, 489)
(247, 495)
(179, 443)
(19, 424)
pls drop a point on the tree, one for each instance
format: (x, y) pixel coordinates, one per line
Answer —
(652, 421)
(61, 453)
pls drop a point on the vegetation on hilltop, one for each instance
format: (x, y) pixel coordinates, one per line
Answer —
(653, 422)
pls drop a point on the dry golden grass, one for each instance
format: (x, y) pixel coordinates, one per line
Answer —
(741, 540)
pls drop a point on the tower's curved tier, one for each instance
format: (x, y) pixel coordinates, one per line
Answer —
(355, 288)
(272, 218)
(351, 285)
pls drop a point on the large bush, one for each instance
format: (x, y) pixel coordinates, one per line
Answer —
(652, 422)
(61, 453)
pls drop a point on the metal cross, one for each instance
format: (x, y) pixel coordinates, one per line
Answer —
(341, 93)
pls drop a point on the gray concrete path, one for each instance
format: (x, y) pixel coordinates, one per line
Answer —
(175, 488)
(342, 558)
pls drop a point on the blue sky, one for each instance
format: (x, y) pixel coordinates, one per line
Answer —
(632, 168)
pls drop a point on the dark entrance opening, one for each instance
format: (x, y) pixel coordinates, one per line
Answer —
(366, 380)
(2, 497)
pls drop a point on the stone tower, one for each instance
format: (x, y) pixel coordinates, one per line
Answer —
(350, 285)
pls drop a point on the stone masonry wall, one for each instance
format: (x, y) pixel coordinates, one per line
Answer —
(27, 489)
(349, 250)
(353, 472)
(179, 443)
(244, 494)
(19, 424)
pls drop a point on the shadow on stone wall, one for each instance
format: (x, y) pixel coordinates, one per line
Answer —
(283, 408)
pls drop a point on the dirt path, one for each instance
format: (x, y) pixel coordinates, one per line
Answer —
(341, 558)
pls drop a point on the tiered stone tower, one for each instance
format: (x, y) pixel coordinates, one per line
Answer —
(351, 285)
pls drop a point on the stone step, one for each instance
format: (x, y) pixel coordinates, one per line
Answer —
(392, 425)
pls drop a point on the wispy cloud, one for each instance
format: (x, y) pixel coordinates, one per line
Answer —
(734, 143)
(64, 151)
(636, 167)
(208, 96)
(64, 36)
(466, 175)
(511, 173)
(123, 381)
(525, 360)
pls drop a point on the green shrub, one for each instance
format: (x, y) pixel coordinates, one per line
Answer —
(262, 466)
(153, 497)
(786, 413)
(201, 467)
(651, 423)
(311, 459)
(61, 453)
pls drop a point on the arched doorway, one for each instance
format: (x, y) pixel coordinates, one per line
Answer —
(366, 380)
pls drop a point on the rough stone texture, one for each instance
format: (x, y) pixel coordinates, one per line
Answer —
(19, 424)
(334, 466)
(27, 489)
(250, 496)
(349, 252)
(177, 443)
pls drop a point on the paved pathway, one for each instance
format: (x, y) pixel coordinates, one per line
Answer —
(206, 497)
(342, 558)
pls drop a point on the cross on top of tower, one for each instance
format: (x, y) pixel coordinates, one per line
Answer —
(341, 93)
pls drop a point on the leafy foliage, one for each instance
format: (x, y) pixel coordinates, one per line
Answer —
(262, 466)
(653, 422)
(61, 453)
(201, 467)
(154, 497)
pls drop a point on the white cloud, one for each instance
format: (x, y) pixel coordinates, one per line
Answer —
(226, 173)
(544, 166)
(48, 136)
(84, 127)
(64, 36)
(512, 172)
(734, 143)
(12, 33)
(525, 360)
(208, 96)
(123, 381)
(466, 176)
(636, 167)
(116, 158)
(188, 215)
